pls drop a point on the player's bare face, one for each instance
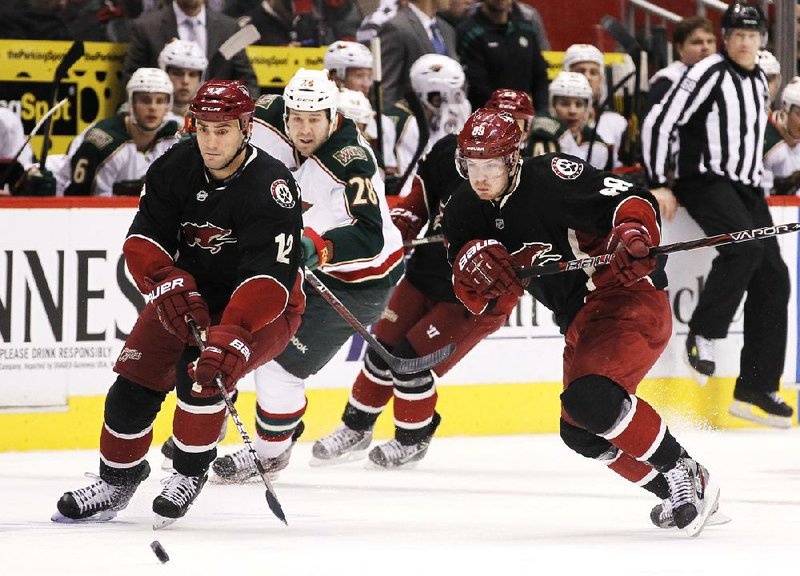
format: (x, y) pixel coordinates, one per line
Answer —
(571, 111)
(742, 46)
(185, 82)
(699, 44)
(219, 142)
(190, 7)
(488, 177)
(593, 73)
(793, 122)
(149, 109)
(308, 130)
(359, 79)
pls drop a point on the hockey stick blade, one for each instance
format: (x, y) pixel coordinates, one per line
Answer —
(399, 365)
(685, 246)
(424, 240)
(73, 54)
(239, 41)
(272, 498)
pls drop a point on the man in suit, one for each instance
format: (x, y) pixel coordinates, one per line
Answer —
(415, 30)
(188, 20)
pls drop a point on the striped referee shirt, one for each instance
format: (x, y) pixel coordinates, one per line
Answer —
(720, 113)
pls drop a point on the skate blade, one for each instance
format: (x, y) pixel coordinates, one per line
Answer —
(755, 414)
(160, 522)
(718, 519)
(696, 526)
(370, 465)
(699, 377)
(220, 481)
(100, 517)
(343, 459)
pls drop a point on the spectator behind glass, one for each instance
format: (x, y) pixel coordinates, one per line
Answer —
(34, 20)
(303, 22)
(692, 39)
(415, 30)
(499, 48)
(782, 144)
(187, 20)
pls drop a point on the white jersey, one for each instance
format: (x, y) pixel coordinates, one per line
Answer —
(12, 138)
(611, 129)
(781, 157)
(389, 137)
(342, 193)
(599, 151)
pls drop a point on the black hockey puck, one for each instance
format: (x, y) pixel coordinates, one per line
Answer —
(159, 551)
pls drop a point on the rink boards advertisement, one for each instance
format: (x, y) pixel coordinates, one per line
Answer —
(67, 302)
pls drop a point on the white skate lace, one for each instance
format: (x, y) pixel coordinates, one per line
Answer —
(705, 348)
(680, 483)
(242, 460)
(179, 489)
(666, 511)
(341, 439)
(100, 494)
(396, 452)
(777, 398)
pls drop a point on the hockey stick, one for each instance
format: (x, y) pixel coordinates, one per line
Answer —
(415, 106)
(718, 240)
(425, 240)
(73, 54)
(377, 83)
(272, 498)
(33, 133)
(238, 41)
(399, 365)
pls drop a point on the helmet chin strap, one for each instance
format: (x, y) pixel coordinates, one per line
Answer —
(241, 147)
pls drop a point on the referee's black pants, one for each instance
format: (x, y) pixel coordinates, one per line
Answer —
(755, 267)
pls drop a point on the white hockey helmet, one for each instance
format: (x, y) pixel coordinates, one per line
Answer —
(583, 53)
(354, 105)
(768, 63)
(310, 91)
(570, 84)
(183, 54)
(791, 95)
(148, 80)
(436, 74)
(342, 55)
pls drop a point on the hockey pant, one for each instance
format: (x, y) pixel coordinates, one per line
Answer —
(151, 364)
(280, 384)
(610, 346)
(414, 325)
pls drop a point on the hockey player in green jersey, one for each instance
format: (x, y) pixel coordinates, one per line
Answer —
(117, 151)
(349, 239)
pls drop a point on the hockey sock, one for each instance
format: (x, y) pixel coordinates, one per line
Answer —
(275, 430)
(414, 402)
(370, 393)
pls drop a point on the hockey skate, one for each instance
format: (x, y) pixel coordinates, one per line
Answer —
(342, 445)
(100, 501)
(692, 496)
(394, 455)
(661, 516)
(239, 467)
(762, 407)
(700, 357)
(176, 497)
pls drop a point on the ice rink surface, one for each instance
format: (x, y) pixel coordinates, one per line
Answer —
(501, 505)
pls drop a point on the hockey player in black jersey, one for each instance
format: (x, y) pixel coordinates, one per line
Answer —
(616, 319)
(422, 316)
(216, 240)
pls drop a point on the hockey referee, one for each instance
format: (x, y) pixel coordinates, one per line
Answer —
(718, 112)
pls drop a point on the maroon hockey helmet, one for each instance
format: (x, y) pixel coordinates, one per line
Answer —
(488, 134)
(515, 102)
(223, 100)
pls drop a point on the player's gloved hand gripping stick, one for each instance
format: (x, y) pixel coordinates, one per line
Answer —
(272, 498)
(718, 240)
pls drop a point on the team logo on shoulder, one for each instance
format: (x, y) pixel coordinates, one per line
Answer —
(566, 169)
(207, 236)
(534, 254)
(266, 100)
(282, 194)
(350, 153)
(99, 138)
